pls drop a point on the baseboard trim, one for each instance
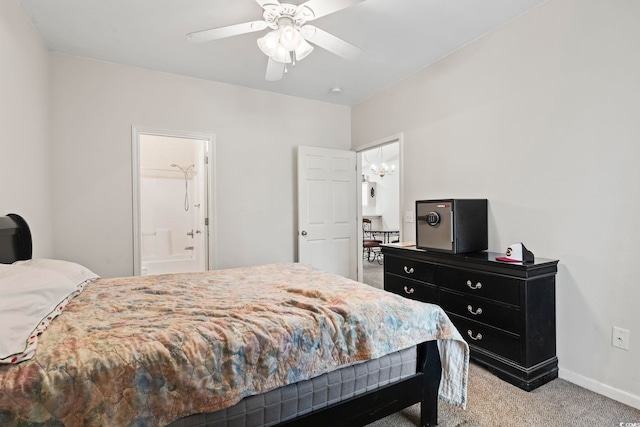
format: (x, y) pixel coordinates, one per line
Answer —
(600, 388)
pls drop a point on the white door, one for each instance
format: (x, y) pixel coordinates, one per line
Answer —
(327, 214)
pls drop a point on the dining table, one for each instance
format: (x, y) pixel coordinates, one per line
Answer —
(385, 234)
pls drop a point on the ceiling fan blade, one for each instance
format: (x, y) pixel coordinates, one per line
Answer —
(229, 31)
(275, 70)
(320, 8)
(265, 3)
(330, 42)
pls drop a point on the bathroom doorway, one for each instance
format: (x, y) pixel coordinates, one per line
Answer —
(171, 202)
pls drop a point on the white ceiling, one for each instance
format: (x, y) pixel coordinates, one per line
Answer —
(398, 38)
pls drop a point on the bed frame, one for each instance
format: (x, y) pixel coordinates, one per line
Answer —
(422, 387)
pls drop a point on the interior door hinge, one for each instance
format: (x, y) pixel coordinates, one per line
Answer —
(206, 221)
(206, 160)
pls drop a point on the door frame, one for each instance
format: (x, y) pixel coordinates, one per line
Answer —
(398, 137)
(210, 234)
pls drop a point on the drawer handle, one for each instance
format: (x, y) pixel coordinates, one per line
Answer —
(478, 337)
(476, 312)
(408, 270)
(409, 290)
(477, 285)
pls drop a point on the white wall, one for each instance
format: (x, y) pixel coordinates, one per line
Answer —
(94, 105)
(542, 118)
(24, 139)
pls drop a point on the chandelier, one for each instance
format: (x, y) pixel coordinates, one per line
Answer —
(383, 169)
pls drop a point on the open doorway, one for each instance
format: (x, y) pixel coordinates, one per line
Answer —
(380, 166)
(171, 202)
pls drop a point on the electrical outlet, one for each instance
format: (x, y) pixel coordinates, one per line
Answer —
(408, 216)
(620, 338)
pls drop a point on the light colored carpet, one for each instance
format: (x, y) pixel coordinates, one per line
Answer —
(496, 403)
(373, 274)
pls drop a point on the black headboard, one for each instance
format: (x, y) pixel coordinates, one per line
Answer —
(15, 239)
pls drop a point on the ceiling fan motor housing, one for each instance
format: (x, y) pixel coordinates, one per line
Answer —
(297, 15)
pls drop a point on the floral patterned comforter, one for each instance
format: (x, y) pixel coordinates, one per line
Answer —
(149, 350)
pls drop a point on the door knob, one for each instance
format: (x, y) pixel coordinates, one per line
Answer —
(304, 233)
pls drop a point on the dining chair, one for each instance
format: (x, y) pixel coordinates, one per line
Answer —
(370, 245)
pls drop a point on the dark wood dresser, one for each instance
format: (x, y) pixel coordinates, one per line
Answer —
(505, 311)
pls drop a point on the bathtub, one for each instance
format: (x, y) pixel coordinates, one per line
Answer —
(180, 263)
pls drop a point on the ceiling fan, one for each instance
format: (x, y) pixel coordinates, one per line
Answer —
(288, 40)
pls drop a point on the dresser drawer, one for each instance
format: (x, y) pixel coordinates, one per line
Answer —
(411, 269)
(410, 288)
(499, 288)
(482, 310)
(491, 339)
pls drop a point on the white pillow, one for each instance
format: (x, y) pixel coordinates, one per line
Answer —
(71, 270)
(32, 294)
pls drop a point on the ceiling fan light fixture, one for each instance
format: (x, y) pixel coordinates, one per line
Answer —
(282, 55)
(303, 50)
(269, 43)
(290, 38)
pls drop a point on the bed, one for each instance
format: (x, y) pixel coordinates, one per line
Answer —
(281, 344)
